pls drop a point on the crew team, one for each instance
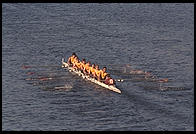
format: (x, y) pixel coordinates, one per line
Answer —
(90, 70)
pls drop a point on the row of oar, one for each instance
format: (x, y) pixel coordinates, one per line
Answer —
(143, 78)
(46, 78)
(117, 80)
(150, 79)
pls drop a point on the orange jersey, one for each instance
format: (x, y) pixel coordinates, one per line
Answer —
(97, 72)
(75, 60)
(78, 65)
(87, 67)
(92, 70)
(103, 75)
(82, 66)
(72, 60)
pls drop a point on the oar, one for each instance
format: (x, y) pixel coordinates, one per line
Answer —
(42, 79)
(115, 65)
(152, 80)
(172, 88)
(47, 78)
(43, 72)
(64, 87)
(31, 66)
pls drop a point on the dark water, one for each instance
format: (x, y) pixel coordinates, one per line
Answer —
(155, 37)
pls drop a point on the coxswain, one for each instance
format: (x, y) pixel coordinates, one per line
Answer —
(103, 73)
(109, 80)
(71, 59)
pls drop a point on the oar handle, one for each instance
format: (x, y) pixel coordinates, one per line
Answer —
(119, 80)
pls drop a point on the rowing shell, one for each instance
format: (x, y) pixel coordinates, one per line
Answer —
(71, 69)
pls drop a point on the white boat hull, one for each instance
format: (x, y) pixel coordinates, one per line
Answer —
(71, 69)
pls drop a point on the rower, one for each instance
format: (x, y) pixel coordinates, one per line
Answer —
(71, 59)
(83, 63)
(109, 80)
(92, 70)
(97, 73)
(103, 73)
(87, 68)
(76, 64)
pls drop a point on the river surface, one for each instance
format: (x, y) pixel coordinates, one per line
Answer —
(158, 38)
